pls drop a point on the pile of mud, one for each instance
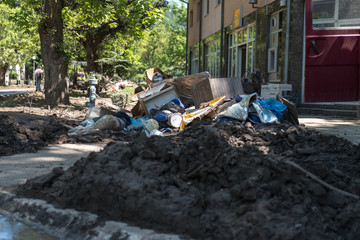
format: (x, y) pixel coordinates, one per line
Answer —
(16, 138)
(223, 181)
(34, 133)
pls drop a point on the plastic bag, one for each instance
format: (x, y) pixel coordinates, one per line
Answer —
(92, 112)
(80, 130)
(274, 106)
(239, 110)
(136, 123)
(109, 122)
(87, 123)
(265, 115)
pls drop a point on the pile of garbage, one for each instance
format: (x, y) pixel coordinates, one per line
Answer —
(169, 105)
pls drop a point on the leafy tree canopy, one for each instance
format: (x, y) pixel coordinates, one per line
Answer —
(16, 43)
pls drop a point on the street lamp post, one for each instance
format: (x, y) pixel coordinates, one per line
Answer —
(34, 69)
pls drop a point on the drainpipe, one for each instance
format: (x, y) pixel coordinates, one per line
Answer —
(287, 43)
(222, 38)
(200, 29)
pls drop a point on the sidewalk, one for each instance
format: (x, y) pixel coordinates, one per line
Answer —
(16, 169)
(344, 128)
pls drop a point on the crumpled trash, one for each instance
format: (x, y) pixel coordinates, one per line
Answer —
(109, 122)
(239, 110)
(87, 122)
(157, 77)
(274, 106)
(154, 132)
(136, 123)
(265, 115)
(123, 116)
(207, 107)
(84, 128)
(81, 130)
(151, 124)
(92, 112)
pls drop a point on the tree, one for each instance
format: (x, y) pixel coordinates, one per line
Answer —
(51, 28)
(93, 23)
(165, 46)
(47, 16)
(16, 44)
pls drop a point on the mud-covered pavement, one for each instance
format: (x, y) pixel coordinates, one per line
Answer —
(223, 181)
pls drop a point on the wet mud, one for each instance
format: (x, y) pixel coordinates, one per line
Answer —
(31, 133)
(218, 181)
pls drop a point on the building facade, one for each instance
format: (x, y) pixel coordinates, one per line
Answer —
(311, 44)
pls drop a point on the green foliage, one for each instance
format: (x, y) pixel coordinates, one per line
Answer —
(163, 45)
(16, 43)
(121, 98)
(135, 35)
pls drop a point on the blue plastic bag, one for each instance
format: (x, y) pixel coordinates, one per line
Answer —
(274, 106)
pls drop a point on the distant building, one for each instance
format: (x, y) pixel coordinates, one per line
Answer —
(314, 45)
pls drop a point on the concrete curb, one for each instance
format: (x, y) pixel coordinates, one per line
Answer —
(71, 224)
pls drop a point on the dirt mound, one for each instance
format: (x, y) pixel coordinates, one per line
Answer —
(32, 133)
(15, 138)
(224, 181)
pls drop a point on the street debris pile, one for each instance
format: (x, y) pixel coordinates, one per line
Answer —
(228, 180)
(168, 104)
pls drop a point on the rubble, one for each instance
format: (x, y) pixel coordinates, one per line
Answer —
(230, 168)
(219, 181)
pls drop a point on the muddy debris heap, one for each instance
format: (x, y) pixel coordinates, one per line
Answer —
(219, 181)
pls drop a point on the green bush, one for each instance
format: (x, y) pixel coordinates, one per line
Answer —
(123, 97)
(120, 99)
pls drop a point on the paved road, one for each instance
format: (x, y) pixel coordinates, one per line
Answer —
(344, 128)
(16, 91)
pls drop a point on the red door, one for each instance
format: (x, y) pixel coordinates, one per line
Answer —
(332, 72)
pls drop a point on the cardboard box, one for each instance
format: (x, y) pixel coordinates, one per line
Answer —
(183, 86)
(271, 90)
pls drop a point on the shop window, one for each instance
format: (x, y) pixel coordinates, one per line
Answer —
(194, 61)
(241, 52)
(335, 14)
(212, 58)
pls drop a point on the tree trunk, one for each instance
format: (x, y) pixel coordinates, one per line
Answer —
(52, 53)
(92, 45)
(2, 74)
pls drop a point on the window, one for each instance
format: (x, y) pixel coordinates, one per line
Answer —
(217, 2)
(191, 18)
(194, 61)
(206, 7)
(335, 14)
(241, 52)
(212, 58)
